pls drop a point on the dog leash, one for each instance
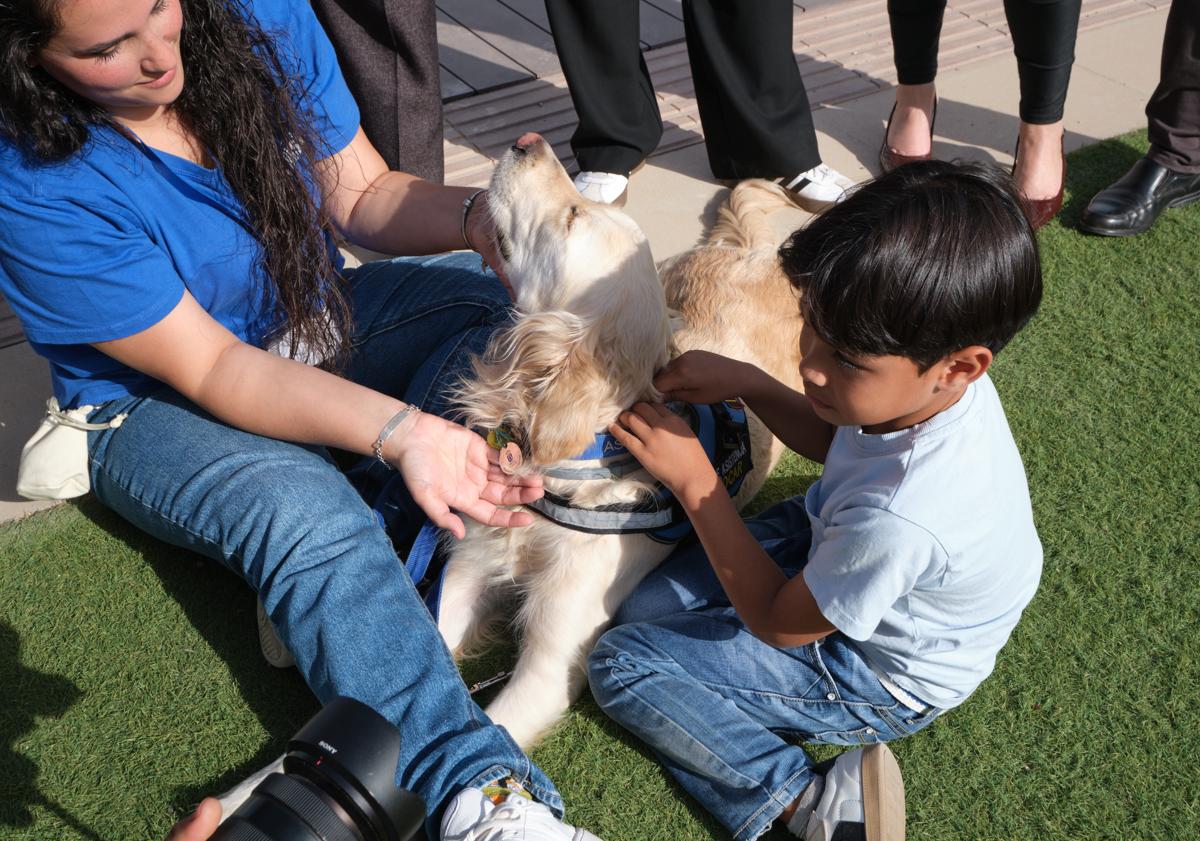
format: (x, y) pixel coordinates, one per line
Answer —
(491, 681)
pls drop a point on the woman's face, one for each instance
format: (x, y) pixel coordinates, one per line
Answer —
(123, 55)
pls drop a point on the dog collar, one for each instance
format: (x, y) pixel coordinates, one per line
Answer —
(723, 433)
(615, 460)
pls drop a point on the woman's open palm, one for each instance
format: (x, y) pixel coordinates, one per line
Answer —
(449, 468)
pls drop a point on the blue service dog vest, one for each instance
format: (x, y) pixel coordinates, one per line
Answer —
(720, 427)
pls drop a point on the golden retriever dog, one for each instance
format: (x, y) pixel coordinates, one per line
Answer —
(592, 329)
(593, 325)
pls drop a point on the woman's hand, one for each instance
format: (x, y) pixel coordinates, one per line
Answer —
(699, 376)
(446, 466)
(481, 235)
(665, 445)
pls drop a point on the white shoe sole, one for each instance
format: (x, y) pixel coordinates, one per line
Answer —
(883, 795)
(273, 649)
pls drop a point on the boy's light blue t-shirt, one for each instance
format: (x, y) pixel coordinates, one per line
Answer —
(102, 246)
(923, 548)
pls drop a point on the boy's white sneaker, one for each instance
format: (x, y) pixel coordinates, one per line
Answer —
(603, 187)
(471, 816)
(821, 185)
(863, 799)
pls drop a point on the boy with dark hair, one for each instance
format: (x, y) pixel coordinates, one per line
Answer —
(860, 612)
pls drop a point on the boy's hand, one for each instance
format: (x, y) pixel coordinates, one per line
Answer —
(699, 376)
(665, 445)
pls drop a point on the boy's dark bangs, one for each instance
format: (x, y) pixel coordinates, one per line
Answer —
(841, 301)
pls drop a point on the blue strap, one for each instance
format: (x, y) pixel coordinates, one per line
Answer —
(603, 446)
(418, 560)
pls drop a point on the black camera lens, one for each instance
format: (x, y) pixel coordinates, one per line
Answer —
(338, 784)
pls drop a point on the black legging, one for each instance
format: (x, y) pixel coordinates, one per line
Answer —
(1043, 33)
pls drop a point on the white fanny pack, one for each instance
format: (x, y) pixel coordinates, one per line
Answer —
(54, 462)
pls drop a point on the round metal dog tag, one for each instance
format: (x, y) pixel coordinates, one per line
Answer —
(510, 458)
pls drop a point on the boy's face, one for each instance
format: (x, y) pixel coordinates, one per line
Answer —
(880, 393)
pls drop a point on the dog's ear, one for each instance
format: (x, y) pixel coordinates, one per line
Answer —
(540, 380)
(520, 362)
(565, 412)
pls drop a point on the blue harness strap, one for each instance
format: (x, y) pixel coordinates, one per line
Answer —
(427, 552)
(723, 432)
(416, 539)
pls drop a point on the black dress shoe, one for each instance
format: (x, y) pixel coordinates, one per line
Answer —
(1131, 205)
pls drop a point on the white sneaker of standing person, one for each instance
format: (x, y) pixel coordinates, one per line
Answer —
(862, 800)
(472, 816)
(603, 187)
(820, 185)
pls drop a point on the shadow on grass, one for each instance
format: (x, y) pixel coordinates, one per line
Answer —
(587, 708)
(30, 693)
(222, 609)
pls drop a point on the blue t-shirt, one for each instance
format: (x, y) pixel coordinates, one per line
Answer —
(102, 245)
(924, 549)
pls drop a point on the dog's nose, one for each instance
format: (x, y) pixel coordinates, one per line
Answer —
(525, 141)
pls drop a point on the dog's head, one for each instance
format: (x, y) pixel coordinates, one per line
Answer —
(592, 323)
(561, 251)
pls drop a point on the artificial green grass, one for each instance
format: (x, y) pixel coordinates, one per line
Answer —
(133, 682)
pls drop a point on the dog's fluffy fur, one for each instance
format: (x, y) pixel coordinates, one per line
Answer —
(592, 330)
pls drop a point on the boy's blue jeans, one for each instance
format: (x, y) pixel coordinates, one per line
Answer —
(722, 708)
(282, 516)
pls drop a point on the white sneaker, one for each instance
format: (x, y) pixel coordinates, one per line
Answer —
(273, 649)
(603, 187)
(863, 799)
(471, 816)
(821, 185)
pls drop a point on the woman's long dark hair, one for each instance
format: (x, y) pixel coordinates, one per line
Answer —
(245, 109)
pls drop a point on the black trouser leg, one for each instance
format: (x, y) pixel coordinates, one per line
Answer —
(599, 49)
(753, 106)
(1043, 33)
(916, 27)
(388, 53)
(1174, 108)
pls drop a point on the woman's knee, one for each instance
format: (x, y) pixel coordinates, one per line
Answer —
(311, 519)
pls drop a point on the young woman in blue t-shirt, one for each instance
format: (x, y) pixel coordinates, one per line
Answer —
(172, 173)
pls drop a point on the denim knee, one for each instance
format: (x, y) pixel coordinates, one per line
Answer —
(622, 654)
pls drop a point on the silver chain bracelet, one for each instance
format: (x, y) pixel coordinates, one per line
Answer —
(389, 428)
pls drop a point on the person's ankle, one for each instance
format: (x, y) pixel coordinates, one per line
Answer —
(911, 129)
(1038, 169)
(921, 97)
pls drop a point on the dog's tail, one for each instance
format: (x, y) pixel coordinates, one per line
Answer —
(742, 221)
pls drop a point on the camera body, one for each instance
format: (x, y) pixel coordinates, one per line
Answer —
(338, 782)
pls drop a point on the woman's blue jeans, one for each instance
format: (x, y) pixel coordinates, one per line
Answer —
(282, 516)
(720, 707)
